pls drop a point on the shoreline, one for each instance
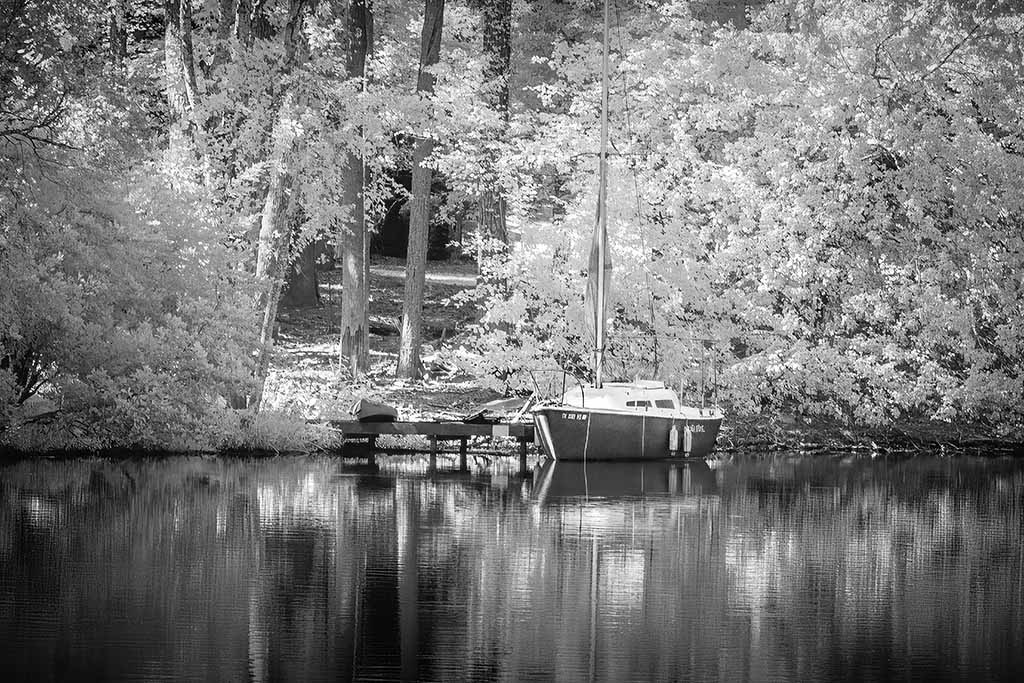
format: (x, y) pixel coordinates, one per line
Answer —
(740, 435)
(306, 386)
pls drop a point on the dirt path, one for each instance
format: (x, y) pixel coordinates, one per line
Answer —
(306, 377)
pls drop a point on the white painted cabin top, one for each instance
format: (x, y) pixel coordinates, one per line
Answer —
(640, 396)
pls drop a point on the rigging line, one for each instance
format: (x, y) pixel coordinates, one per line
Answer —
(586, 445)
(636, 194)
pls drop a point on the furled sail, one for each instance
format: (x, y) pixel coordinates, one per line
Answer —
(596, 297)
(592, 299)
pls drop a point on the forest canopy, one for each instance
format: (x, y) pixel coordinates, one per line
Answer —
(820, 198)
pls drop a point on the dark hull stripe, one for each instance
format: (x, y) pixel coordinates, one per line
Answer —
(576, 434)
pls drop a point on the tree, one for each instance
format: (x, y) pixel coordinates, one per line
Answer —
(419, 213)
(275, 233)
(117, 33)
(353, 240)
(497, 46)
(179, 70)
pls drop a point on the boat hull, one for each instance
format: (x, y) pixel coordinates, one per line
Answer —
(574, 433)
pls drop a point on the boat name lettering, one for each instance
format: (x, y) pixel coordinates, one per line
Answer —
(697, 428)
(575, 416)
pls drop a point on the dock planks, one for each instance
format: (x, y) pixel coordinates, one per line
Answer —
(444, 431)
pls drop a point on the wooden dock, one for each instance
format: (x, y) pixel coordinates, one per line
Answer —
(440, 431)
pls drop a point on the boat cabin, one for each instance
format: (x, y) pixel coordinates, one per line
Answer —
(640, 395)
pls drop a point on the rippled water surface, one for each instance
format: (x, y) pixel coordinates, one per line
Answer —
(772, 568)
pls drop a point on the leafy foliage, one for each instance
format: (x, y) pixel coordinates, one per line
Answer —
(124, 306)
(121, 301)
(831, 195)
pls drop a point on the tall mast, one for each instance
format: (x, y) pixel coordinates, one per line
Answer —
(602, 213)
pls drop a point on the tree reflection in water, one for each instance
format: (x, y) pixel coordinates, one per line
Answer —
(308, 568)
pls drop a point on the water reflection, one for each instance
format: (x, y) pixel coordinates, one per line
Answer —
(310, 569)
(558, 480)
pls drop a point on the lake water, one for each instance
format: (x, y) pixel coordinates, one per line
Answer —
(312, 568)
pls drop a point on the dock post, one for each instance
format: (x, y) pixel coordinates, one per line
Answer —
(433, 452)
(522, 455)
(371, 441)
(462, 454)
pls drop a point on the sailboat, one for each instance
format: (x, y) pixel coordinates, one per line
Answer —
(640, 420)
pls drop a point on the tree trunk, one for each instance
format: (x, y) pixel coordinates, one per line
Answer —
(497, 17)
(275, 234)
(117, 33)
(174, 82)
(188, 64)
(497, 24)
(243, 22)
(419, 214)
(416, 264)
(301, 288)
(491, 215)
(179, 71)
(226, 19)
(271, 258)
(352, 238)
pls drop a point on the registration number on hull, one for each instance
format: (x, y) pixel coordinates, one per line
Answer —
(582, 417)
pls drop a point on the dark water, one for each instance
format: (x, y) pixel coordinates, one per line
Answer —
(775, 568)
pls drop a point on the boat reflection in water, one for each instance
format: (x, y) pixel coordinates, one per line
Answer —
(561, 479)
(615, 522)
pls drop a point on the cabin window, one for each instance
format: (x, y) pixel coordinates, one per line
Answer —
(638, 404)
(665, 403)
